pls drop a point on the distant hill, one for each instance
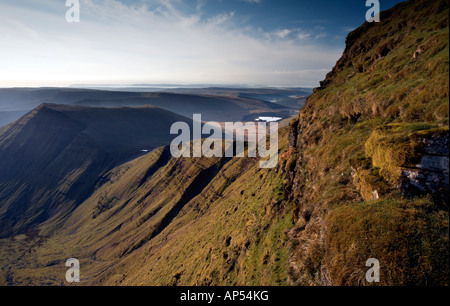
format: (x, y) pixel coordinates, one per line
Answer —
(265, 94)
(26, 99)
(14, 102)
(212, 108)
(51, 158)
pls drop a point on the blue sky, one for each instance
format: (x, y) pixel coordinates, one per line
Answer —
(254, 42)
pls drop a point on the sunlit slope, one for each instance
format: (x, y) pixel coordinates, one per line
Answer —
(158, 220)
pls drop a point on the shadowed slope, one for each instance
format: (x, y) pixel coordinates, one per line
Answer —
(52, 157)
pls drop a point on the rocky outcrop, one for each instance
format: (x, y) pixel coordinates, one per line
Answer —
(431, 175)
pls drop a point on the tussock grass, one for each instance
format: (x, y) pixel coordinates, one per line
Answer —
(409, 238)
(369, 119)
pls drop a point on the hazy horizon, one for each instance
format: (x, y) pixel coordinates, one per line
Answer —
(162, 86)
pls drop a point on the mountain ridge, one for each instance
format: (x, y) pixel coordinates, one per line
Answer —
(225, 106)
(56, 153)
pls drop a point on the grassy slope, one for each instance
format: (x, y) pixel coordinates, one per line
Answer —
(229, 229)
(377, 85)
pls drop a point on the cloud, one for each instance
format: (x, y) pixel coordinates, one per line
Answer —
(252, 1)
(219, 19)
(149, 41)
(321, 35)
(283, 33)
(303, 36)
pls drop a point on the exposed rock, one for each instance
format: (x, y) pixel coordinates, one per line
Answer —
(419, 51)
(432, 174)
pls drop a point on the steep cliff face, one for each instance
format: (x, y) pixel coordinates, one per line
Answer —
(367, 168)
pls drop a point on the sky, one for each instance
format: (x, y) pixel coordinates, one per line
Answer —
(123, 42)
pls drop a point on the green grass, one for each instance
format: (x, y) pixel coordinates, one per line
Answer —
(409, 238)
